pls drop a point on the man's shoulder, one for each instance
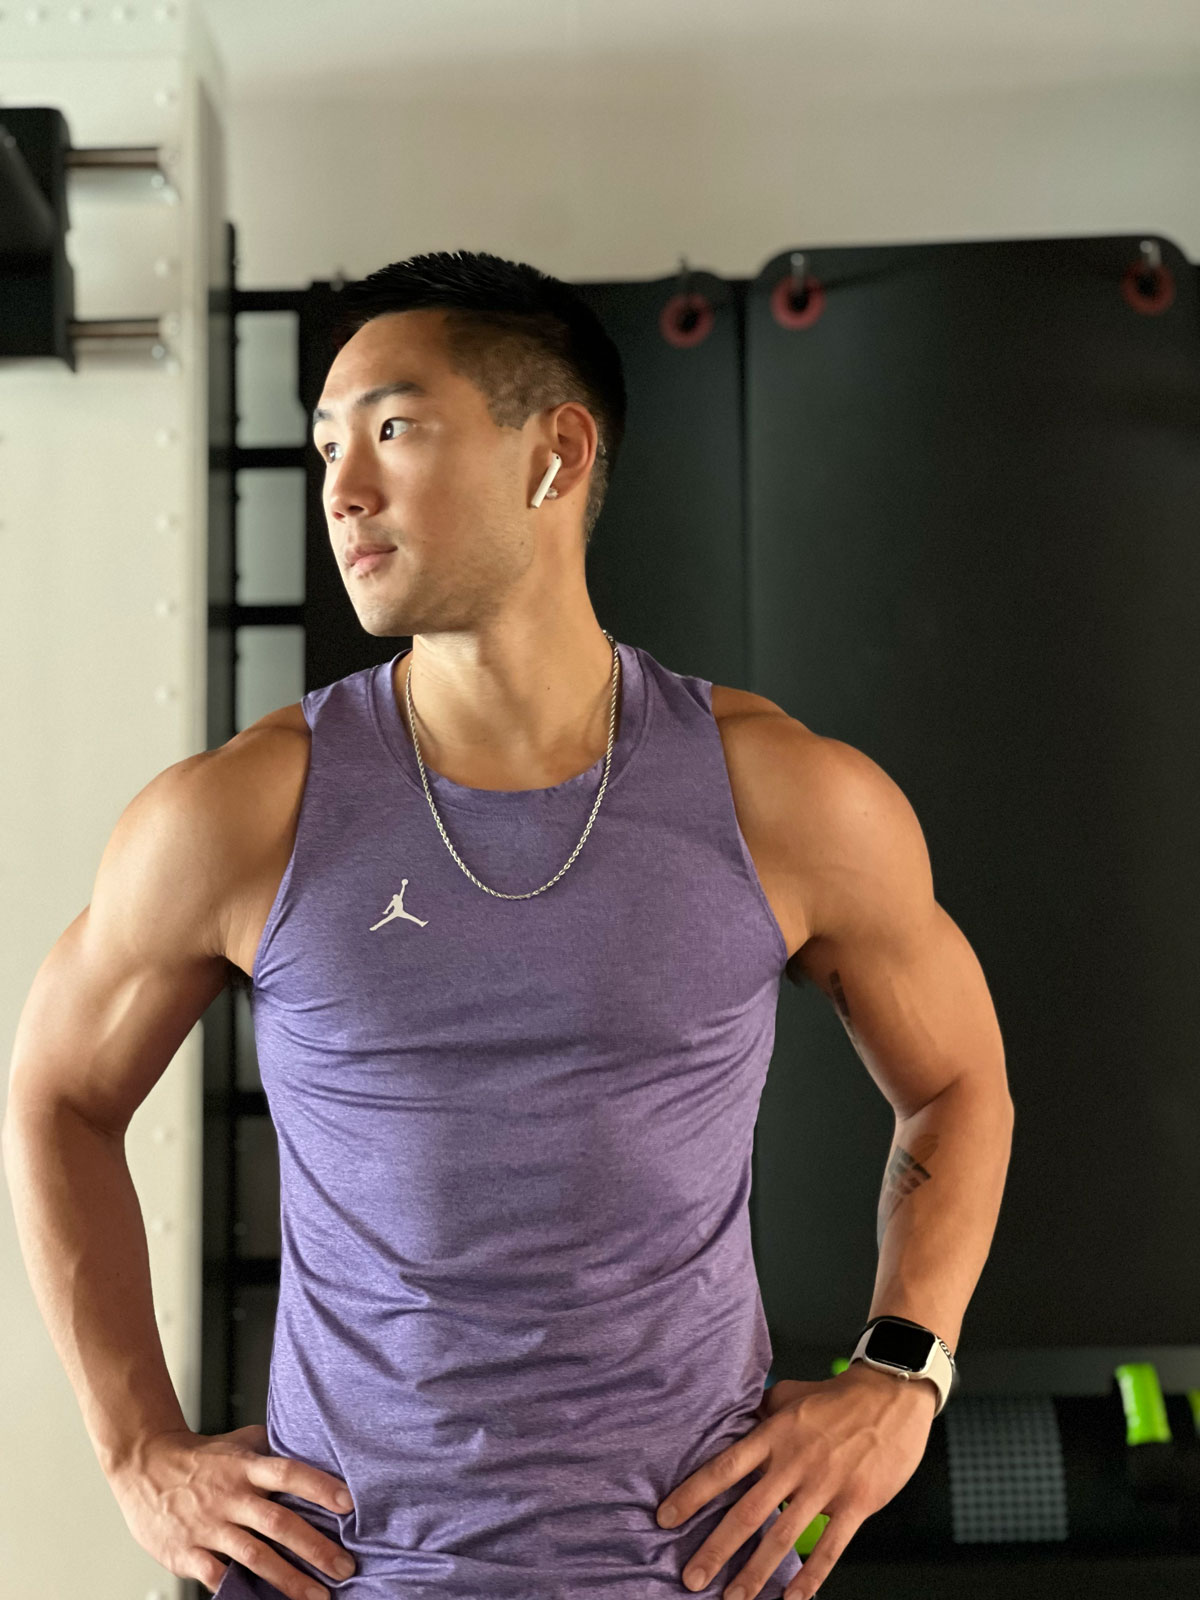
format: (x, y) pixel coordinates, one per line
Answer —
(285, 717)
(255, 782)
(770, 758)
(802, 797)
(275, 746)
(728, 703)
(792, 772)
(772, 736)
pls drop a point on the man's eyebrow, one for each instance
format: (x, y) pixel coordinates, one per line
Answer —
(370, 397)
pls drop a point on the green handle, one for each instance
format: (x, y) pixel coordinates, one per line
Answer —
(1141, 1395)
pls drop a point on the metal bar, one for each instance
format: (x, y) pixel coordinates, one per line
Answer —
(233, 614)
(268, 299)
(269, 455)
(117, 328)
(134, 157)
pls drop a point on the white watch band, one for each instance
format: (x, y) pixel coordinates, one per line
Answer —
(939, 1366)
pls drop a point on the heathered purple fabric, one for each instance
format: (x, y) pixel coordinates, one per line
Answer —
(517, 1297)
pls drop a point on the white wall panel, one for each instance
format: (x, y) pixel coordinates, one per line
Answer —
(103, 617)
(270, 537)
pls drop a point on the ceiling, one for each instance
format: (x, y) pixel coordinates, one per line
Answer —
(357, 48)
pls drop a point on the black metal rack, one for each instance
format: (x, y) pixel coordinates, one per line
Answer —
(227, 1401)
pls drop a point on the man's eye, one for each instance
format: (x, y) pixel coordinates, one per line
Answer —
(332, 442)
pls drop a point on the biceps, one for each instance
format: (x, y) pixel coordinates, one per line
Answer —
(915, 1004)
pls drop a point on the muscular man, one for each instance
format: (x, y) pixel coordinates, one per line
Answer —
(514, 907)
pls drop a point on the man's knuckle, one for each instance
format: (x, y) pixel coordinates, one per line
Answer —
(212, 1571)
(274, 1518)
(853, 1508)
(747, 1516)
(247, 1550)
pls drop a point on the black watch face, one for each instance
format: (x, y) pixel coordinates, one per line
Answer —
(903, 1347)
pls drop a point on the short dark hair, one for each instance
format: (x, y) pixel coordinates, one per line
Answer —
(526, 340)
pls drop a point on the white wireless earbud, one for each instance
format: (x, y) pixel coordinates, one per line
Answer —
(555, 463)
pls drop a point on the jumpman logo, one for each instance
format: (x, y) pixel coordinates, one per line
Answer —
(396, 909)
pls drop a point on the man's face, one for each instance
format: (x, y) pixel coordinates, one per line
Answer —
(429, 473)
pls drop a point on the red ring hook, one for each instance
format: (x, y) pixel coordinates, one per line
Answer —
(672, 320)
(789, 316)
(1160, 296)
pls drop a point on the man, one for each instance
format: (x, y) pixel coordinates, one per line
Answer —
(514, 906)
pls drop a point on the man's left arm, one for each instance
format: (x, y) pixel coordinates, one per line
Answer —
(914, 1001)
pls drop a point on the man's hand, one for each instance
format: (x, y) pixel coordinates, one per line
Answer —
(190, 1497)
(844, 1446)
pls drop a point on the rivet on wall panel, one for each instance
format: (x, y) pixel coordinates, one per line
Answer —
(165, 436)
(35, 14)
(165, 692)
(165, 266)
(160, 1225)
(165, 97)
(121, 13)
(165, 520)
(165, 608)
(78, 14)
(165, 13)
(162, 1134)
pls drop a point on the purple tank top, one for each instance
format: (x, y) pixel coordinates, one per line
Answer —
(517, 1300)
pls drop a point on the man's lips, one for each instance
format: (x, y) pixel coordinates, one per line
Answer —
(359, 552)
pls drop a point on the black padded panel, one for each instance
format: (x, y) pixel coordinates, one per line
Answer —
(973, 499)
(37, 279)
(953, 523)
(666, 566)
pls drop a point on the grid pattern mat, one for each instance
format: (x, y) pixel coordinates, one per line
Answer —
(1006, 1469)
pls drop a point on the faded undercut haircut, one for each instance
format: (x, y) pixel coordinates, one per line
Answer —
(526, 340)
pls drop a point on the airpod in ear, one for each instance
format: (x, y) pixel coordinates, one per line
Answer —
(555, 463)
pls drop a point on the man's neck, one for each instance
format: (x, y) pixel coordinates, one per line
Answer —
(510, 728)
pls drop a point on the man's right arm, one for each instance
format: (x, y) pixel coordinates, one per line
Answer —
(109, 1008)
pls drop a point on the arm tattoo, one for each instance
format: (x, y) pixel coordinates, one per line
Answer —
(906, 1171)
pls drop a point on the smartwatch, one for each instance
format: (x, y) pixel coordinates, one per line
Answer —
(907, 1350)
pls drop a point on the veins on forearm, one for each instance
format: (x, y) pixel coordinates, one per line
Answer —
(907, 1167)
(840, 1001)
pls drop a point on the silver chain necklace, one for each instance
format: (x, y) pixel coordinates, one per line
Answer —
(612, 723)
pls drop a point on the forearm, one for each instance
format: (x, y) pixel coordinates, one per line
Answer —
(939, 1205)
(83, 1238)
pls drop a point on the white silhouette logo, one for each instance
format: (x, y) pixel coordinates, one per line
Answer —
(396, 909)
